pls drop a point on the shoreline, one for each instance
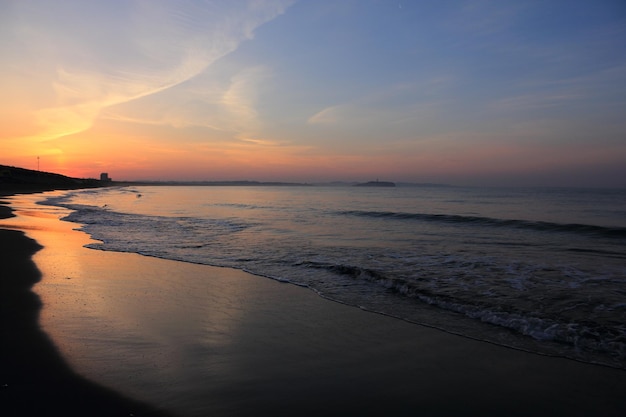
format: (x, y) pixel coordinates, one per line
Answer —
(295, 354)
(34, 379)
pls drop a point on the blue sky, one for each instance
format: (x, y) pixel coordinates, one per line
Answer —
(465, 92)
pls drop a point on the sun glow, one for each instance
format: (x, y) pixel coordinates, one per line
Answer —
(229, 90)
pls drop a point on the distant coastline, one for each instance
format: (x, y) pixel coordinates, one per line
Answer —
(15, 179)
(243, 183)
(376, 184)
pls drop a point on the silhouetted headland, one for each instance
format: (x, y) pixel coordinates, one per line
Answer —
(14, 179)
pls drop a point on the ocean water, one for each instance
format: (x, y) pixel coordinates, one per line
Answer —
(543, 270)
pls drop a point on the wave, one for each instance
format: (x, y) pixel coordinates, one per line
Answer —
(543, 226)
(585, 337)
(607, 253)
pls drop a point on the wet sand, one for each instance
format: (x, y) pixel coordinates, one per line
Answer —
(34, 379)
(247, 346)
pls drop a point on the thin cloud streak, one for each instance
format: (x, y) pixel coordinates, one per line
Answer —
(189, 47)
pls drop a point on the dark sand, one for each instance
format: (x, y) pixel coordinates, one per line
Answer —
(291, 353)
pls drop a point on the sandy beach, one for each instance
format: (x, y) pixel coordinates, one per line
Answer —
(71, 317)
(34, 378)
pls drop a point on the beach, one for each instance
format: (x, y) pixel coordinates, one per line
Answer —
(268, 348)
(34, 378)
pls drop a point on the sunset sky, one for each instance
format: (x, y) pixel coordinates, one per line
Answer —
(464, 92)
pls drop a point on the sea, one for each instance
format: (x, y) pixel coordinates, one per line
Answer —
(537, 269)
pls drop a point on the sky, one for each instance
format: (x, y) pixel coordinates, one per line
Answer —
(515, 93)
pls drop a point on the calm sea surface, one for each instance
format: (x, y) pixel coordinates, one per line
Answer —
(543, 270)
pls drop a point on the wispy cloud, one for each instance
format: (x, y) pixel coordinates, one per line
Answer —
(239, 100)
(392, 104)
(328, 116)
(227, 105)
(169, 43)
(536, 101)
(480, 18)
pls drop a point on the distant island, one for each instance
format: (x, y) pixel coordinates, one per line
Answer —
(376, 184)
